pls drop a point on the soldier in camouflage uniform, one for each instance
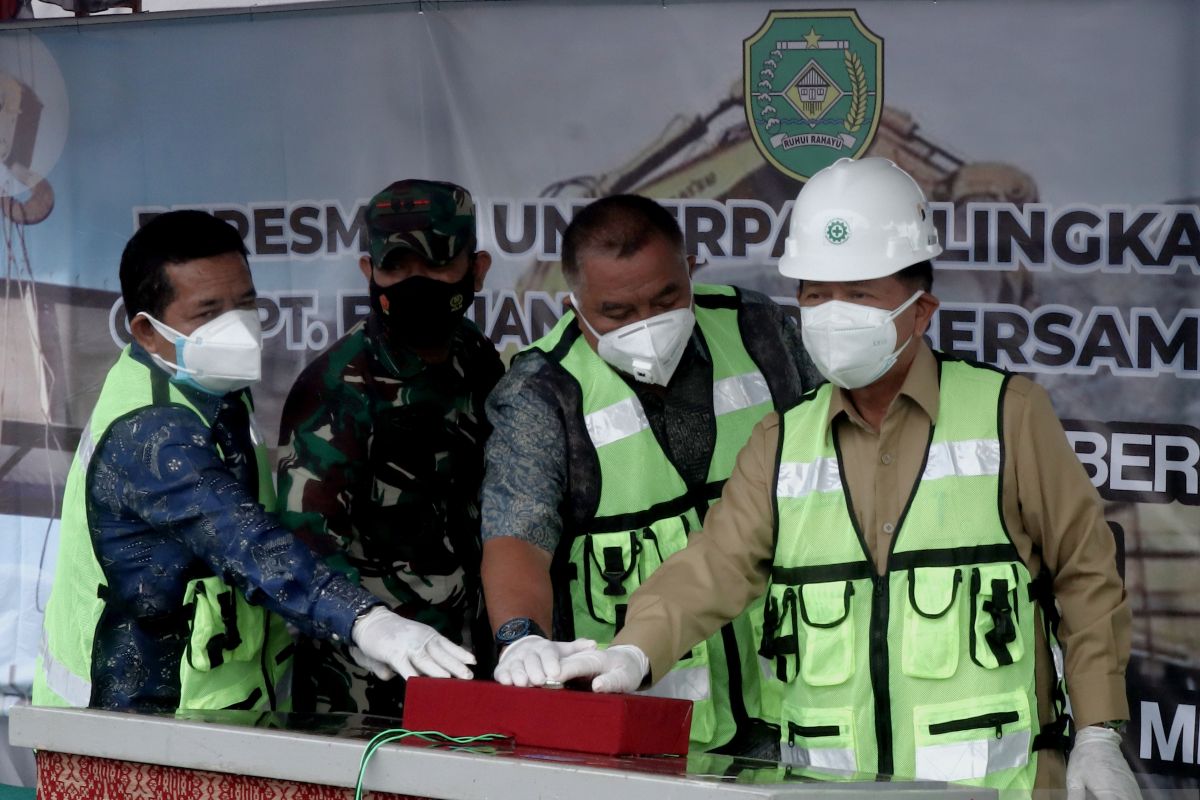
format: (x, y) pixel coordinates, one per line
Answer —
(383, 436)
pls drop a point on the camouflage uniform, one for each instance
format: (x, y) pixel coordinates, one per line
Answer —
(379, 473)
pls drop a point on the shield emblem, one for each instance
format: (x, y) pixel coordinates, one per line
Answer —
(813, 83)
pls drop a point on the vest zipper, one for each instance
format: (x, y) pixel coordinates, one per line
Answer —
(995, 720)
(879, 675)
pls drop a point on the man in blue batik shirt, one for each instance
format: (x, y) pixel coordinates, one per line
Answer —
(173, 582)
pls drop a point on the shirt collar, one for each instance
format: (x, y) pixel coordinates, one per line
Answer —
(920, 386)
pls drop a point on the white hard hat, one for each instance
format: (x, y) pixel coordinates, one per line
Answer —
(858, 220)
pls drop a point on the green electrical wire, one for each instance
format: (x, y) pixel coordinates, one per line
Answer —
(396, 734)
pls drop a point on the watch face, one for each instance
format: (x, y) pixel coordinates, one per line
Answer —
(516, 628)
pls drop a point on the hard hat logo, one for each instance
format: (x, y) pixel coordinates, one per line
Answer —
(837, 231)
(813, 88)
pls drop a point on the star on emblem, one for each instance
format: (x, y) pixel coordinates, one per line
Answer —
(812, 37)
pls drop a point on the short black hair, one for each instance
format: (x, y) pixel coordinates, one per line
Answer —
(918, 276)
(171, 238)
(618, 225)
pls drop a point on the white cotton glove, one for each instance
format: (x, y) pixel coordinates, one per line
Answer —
(619, 669)
(377, 668)
(534, 660)
(1098, 767)
(406, 647)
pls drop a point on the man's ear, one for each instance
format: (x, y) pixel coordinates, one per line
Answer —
(925, 306)
(144, 334)
(364, 266)
(691, 262)
(483, 262)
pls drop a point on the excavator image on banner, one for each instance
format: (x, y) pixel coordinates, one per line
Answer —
(713, 156)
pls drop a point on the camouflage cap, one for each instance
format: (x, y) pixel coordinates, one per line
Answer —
(432, 218)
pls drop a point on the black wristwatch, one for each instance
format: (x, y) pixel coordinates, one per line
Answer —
(517, 628)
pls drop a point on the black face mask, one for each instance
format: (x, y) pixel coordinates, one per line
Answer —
(422, 312)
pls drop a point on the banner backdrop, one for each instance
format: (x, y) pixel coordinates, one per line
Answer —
(1058, 142)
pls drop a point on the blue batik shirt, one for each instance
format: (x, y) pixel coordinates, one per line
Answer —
(164, 507)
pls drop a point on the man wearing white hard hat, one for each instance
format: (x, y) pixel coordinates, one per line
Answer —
(921, 529)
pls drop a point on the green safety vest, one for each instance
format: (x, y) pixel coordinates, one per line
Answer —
(926, 671)
(238, 654)
(645, 511)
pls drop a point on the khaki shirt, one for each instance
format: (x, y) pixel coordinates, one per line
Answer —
(1053, 514)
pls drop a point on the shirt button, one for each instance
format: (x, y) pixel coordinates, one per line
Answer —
(886, 458)
(888, 527)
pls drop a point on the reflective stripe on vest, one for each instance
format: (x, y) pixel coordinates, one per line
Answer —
(974, 760)
(946, 459)
(925, 671)
(76, 691)
(626, 418)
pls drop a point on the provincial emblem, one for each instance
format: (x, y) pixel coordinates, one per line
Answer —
(813, 86)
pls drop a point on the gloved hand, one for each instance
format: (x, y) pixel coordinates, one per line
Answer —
(619, 669)
(377, 668)
(1098, 766)
(534, 660)
(407, 647)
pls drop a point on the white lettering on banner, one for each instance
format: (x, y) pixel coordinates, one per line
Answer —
(806, 139)
(1148, 239)
(1177, 745)
(1139, 462)
(1060, 339)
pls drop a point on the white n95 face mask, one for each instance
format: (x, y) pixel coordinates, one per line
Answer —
(221, 356)
(851, 344)
(649, 349)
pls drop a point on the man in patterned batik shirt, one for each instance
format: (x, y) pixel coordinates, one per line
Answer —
(383, 437)
(171, 571)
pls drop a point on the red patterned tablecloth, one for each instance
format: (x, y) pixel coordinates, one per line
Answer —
(62, 776)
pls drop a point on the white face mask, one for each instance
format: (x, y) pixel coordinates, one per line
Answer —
(221, 356)
(851, 344)
(649, 349)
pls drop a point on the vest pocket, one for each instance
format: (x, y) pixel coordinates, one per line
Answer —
(819, 737)
(224, 627)
(971, 739)
(780, 635)
(827, 646)
(995, 630)
(931, 623)
(608, 567)
(605, 576)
